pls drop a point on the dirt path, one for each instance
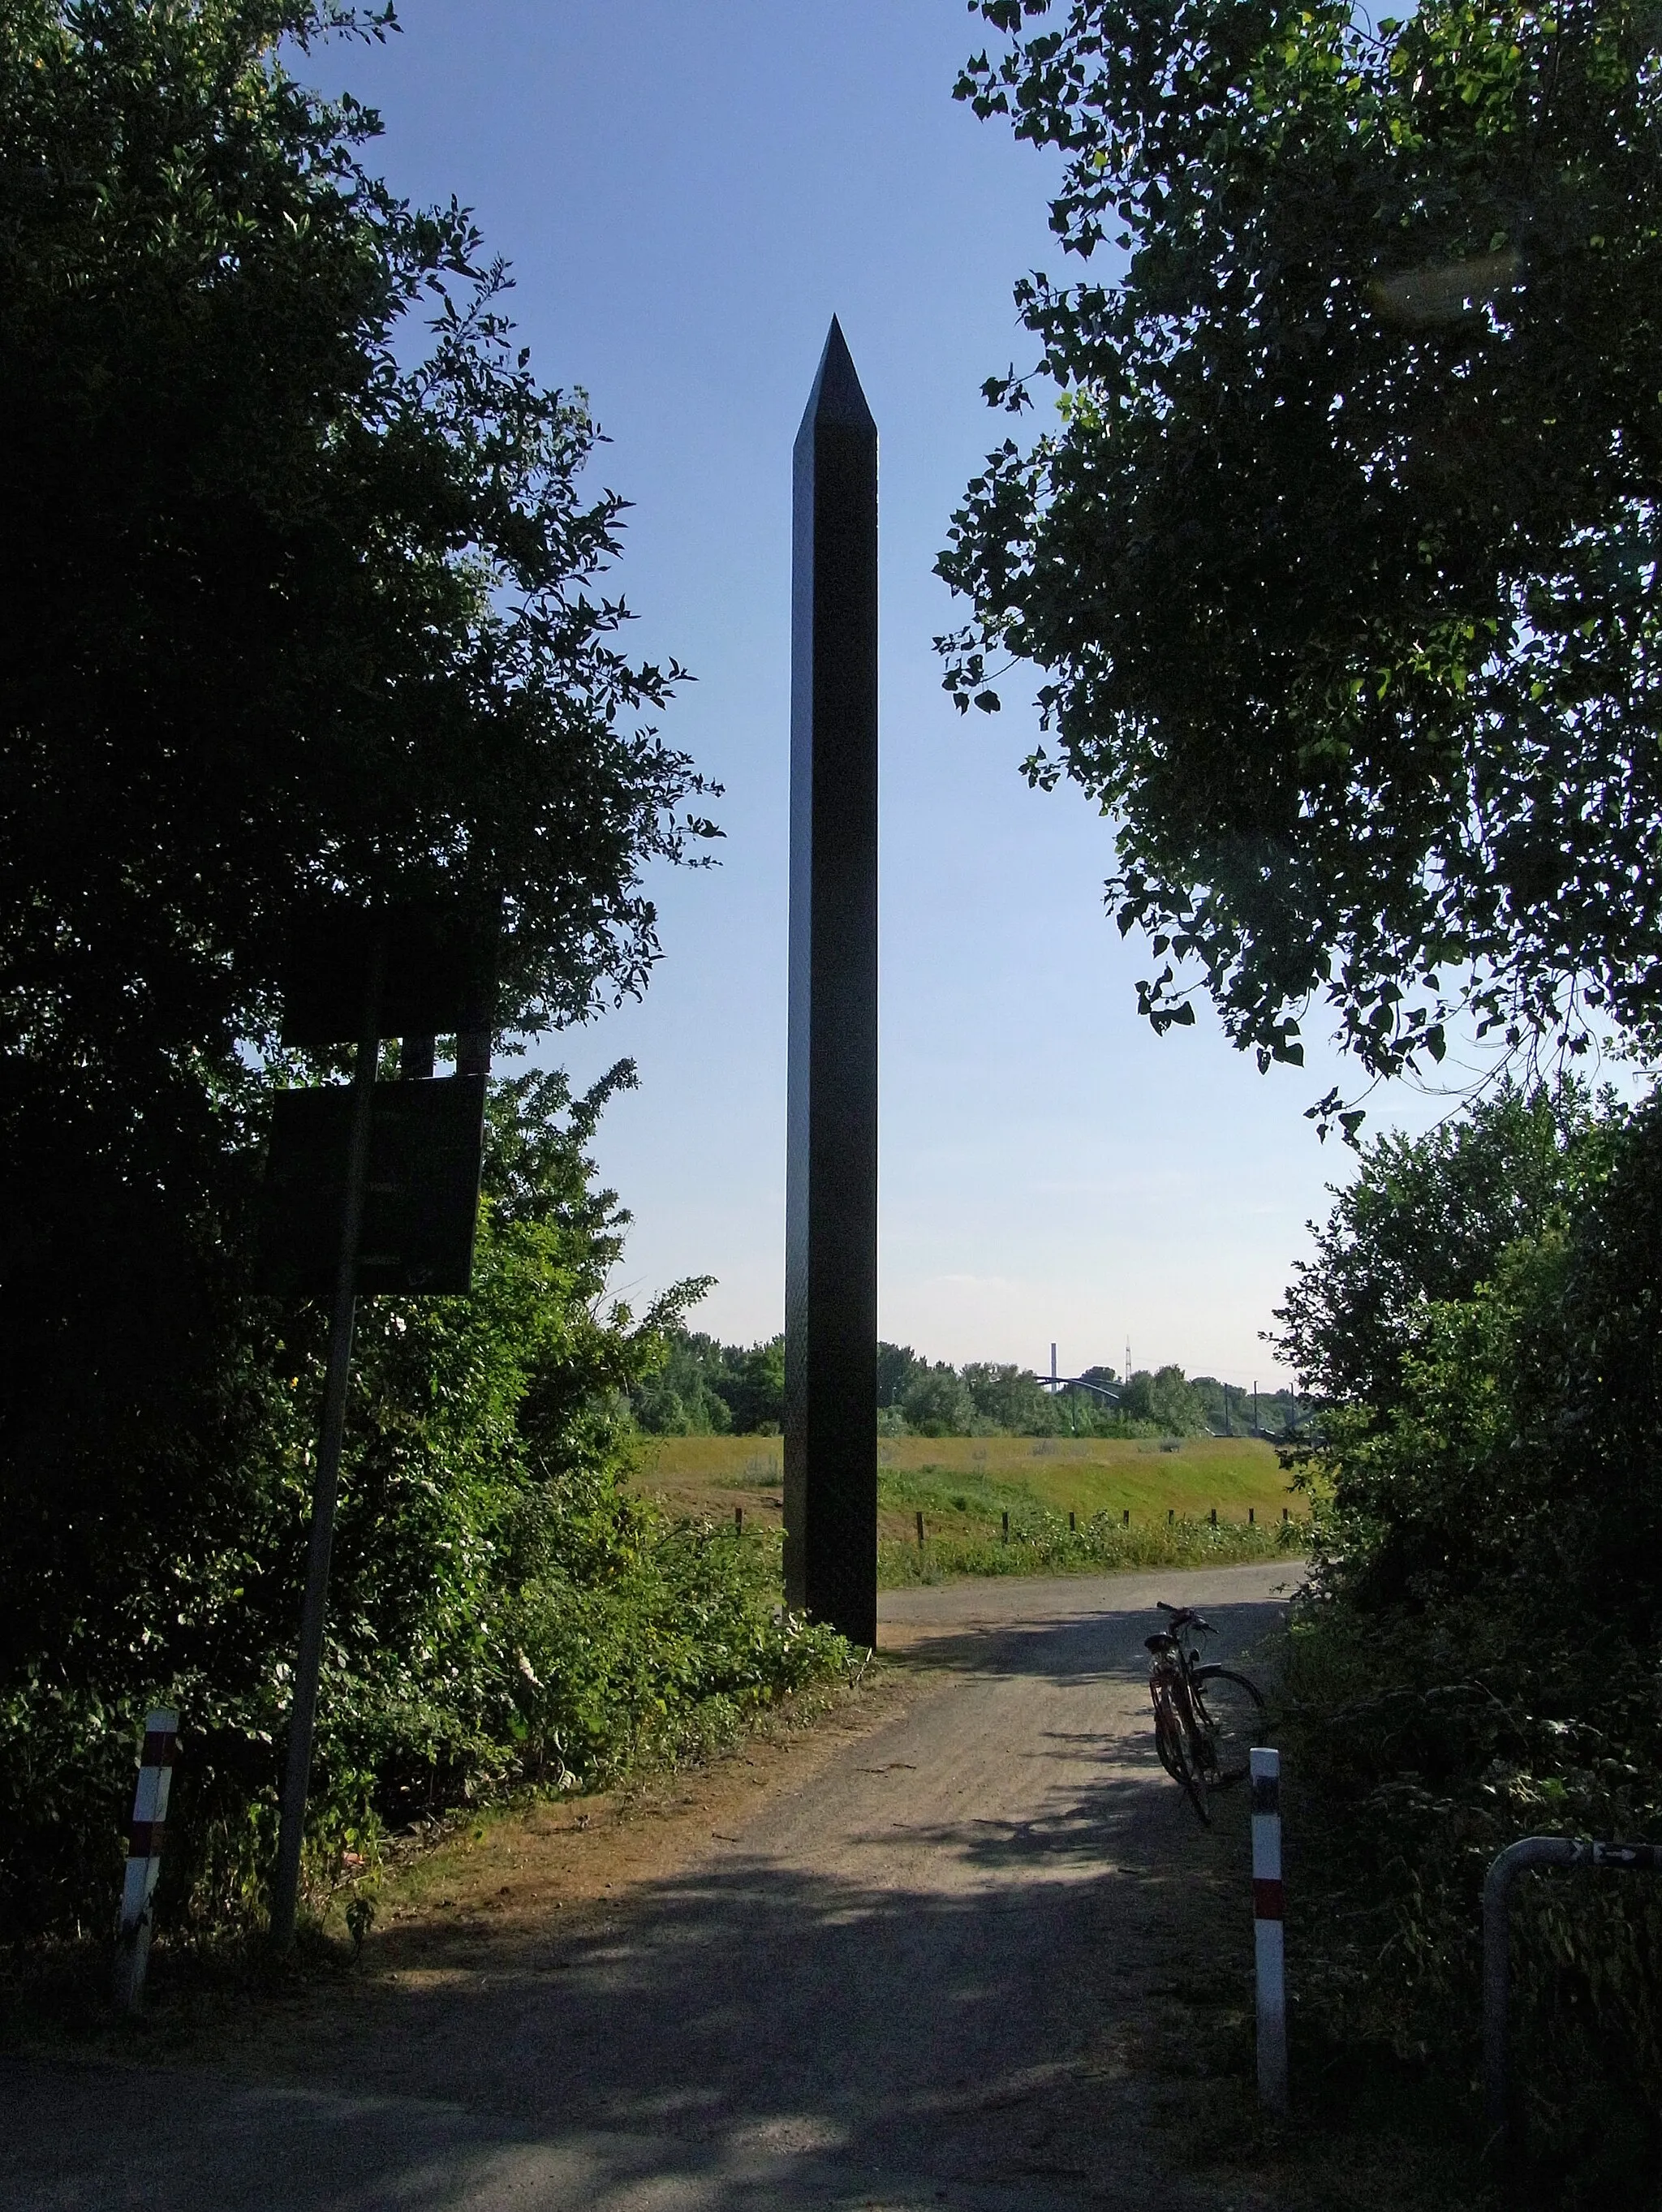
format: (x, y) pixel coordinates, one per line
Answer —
(923, 1963)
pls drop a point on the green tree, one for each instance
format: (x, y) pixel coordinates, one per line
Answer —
(937, 1403)
(709, 1389)
(1230, 1407)
(1009, 1399)
(897, 1364)
(1423, 1222)
(751, 1384)
(309, 596)
(679, 1398)
(504, 1609)
(1476, 1659)
(1165, 1398)
(1339, 557)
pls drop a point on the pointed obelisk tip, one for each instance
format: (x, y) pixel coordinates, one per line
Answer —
(836, 396)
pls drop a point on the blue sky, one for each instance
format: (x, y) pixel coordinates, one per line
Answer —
(688, 190)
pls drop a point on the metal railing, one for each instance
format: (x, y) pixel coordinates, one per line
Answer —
(1517, 1858)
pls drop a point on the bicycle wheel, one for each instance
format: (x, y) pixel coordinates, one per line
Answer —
(1176, 1755)
(1232, 1711)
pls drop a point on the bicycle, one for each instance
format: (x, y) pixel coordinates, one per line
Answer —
(1206, 1718)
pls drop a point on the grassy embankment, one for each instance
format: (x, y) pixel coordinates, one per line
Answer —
(964, 1486)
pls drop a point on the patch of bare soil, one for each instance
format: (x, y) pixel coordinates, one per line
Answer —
(532, 1875)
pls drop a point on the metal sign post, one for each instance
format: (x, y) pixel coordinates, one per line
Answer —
(407, 972)
(830, 1176)
(302, 1723)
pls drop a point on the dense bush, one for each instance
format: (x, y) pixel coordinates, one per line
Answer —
(501, 1609)
(1478, 1657)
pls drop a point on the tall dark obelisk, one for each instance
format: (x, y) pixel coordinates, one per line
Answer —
(830, 1185)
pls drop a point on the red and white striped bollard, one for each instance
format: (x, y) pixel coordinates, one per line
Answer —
(155, 1769)
(1267, 1929)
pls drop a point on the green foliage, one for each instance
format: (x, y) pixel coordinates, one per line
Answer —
(705, 1388)
(308, 594)
(988, 1399)
(918, 1397)
(1478, 1660)
(1425, 1220)
(502, 1610)
(1339, 554)
(753, 1388)
(937, 1403)
(1231, 1411)
(1165, 1402)
(896, 1365)
(678, 1401)
(1008, 1400)
(308, 598)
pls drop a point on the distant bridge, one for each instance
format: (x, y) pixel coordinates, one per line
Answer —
(1053, 1382)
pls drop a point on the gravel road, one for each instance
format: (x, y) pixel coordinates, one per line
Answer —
(928, 1975)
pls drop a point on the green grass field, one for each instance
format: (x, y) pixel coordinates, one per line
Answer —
(1085, 1476)
(964, 1486)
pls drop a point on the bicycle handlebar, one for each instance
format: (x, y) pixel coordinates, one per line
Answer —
(1184, 1616)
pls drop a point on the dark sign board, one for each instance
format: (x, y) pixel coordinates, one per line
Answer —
(439, 975)
(421, 1199)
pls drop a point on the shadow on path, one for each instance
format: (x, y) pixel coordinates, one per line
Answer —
(934, 2009)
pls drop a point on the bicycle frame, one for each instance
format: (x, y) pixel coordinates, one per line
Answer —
(1174, 1668)
(1186, 1729)
(1182, 1726)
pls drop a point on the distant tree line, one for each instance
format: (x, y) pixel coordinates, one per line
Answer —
(705, 1388)
(709, 1389)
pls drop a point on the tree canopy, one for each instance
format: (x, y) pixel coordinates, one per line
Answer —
(1340, 556)
(1166, 1398)
(302, 594)
(1423, 1223)
(304, 591)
